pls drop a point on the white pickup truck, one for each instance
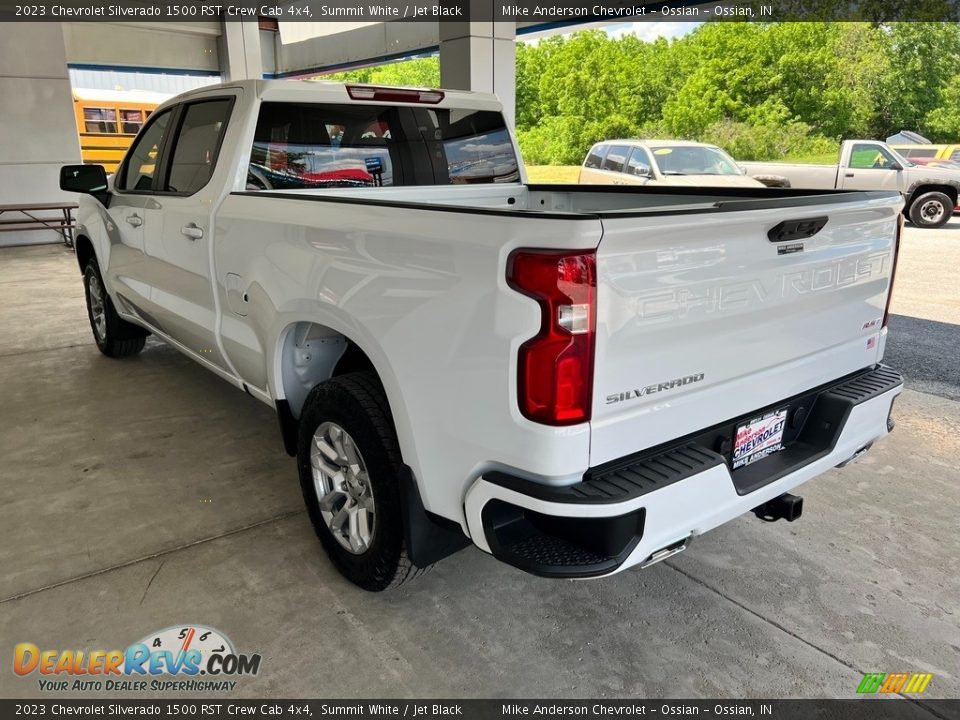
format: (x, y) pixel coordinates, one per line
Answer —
(930, 192)
(576, 380)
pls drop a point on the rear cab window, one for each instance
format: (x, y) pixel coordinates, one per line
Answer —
(316, 145)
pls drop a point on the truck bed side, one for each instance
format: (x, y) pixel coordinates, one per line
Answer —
(800, 175)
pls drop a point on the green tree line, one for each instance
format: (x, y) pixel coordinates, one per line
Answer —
(762, 91)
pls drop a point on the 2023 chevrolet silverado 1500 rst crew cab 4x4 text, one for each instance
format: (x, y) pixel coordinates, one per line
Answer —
(577, 380)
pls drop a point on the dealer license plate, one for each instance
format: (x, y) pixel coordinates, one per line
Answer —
(759, 437)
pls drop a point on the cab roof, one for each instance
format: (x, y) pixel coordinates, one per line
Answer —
(333, 92)
(657, 143)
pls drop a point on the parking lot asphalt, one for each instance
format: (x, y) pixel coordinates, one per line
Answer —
(147, 493)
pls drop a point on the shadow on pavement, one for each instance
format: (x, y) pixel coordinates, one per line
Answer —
(926, 353)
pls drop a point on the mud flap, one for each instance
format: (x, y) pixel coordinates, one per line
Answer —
(429, 537)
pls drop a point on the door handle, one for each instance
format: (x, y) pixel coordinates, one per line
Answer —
(134, 220)
(192, 231)
(849, 175)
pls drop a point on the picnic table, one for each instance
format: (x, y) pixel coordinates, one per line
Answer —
(37, 216)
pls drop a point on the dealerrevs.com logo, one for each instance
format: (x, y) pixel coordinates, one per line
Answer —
(179, 658)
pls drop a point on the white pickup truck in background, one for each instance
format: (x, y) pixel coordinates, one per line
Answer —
(577, 380)
(930, 192)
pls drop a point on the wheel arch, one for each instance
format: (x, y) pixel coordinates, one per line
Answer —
(83, 247)
(949, 190)
(309, 351)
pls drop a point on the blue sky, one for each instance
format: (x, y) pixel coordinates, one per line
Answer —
(651, 30)
(643, 30)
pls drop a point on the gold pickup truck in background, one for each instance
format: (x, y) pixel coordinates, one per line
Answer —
(662, 162)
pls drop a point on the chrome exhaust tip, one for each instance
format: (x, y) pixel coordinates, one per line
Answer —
(856, 456)
(667, 552)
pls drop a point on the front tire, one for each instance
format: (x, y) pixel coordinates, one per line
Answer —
(349, 462)
(115, 337)
(931, 210)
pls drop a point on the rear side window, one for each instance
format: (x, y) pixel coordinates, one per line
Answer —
(358, 145)
(595, 157)
(615, 159)
(197, 144)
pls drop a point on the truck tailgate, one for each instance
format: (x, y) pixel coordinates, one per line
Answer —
(702, 318)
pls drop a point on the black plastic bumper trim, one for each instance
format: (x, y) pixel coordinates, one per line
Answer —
(560, 547)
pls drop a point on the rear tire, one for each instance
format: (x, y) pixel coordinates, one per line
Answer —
(349, 462)
(115, 337)
(931, 210)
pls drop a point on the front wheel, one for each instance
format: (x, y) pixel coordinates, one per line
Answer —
(349, 462)
(931, 210)
(115, 337)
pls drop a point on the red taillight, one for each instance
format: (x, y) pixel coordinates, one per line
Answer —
(555, 378)
(893, 269)
(389, 94)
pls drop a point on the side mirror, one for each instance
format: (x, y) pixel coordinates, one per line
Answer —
(89, 179)
(642, 170)
(896, 166)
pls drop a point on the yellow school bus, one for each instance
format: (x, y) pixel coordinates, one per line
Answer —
(108, 120)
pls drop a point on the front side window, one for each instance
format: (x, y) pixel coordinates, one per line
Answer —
(102, 121)
(870, 157)
(638, 163)
(195, 150)
(141, 162)
(330, 146)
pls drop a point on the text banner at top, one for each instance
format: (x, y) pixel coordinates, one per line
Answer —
(527, 11)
